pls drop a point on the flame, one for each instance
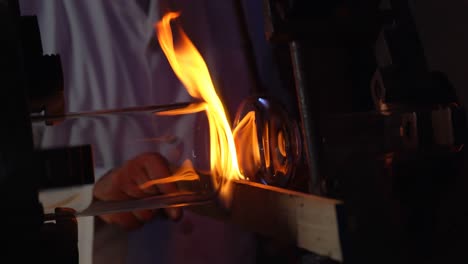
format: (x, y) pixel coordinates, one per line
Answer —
(191, 69)
(184, 173)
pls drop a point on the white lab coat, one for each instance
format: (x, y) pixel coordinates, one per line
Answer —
(110, 61)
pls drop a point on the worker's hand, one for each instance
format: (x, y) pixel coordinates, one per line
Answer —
(123, 184)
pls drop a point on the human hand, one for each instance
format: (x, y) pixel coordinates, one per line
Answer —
(123, 184)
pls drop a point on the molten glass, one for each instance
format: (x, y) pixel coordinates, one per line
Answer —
(269, 145)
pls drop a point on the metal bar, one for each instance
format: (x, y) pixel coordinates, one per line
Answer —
(155, 202)
(310, 222)
(138, 109)
(310, 139)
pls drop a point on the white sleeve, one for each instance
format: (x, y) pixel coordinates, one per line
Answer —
(78, 198)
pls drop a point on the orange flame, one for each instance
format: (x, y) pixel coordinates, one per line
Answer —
(184, 173)
(190, 68)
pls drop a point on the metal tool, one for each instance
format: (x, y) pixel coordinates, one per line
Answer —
(150, 109)
(155, 202)
(201, 191)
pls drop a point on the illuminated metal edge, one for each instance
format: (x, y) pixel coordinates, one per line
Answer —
(308, 221)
